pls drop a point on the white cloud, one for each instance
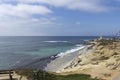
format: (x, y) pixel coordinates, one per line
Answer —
(19, 19)
(25, 26)
(84, 5)
(23, 10)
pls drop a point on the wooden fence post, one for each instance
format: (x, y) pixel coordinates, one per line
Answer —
(10, 75)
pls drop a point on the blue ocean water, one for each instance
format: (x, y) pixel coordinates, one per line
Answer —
(29, 50)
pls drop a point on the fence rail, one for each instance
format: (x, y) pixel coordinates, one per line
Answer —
(8, 73)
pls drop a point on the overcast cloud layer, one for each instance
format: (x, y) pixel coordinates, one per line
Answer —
(36, 17)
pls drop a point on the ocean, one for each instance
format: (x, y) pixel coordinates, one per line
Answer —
(37, 51)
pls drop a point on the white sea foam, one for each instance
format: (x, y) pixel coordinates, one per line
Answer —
(78, 45)
(55, 41)
(70, 51)
(86, 40)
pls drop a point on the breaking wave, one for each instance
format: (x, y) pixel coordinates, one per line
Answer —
(56, 41)
(69, 51)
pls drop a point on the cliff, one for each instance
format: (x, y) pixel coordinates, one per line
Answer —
(101, 60)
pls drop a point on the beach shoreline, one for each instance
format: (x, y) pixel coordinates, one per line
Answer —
(59, 64)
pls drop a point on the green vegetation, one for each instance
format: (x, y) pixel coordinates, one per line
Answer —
(26, 72)
(105, 42)
(75, 77)
(104, 58)
(42, 75)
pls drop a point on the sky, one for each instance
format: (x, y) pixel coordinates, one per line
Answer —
(59, 17)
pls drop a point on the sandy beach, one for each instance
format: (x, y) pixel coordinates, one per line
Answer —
(101, 61)
(60, 63)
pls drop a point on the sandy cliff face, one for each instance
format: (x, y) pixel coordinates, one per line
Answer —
(102, 61)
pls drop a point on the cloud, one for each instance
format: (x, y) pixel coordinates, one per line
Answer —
(25, 26)
(23, 10)
(24, 19)
(82, 5)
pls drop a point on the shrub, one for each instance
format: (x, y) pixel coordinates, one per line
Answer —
(42, 75)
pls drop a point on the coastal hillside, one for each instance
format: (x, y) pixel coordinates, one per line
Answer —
(103, 62)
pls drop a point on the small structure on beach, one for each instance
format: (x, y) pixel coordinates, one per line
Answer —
(101, 38)
(118, 36)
